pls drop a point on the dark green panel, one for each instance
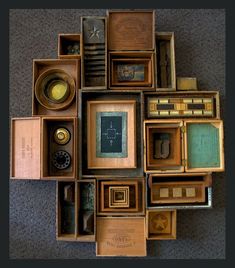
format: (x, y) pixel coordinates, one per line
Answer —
(203, 145)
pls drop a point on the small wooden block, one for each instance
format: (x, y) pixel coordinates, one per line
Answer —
(190, 192)
(186, 83)
(177, 192)
(164, 192)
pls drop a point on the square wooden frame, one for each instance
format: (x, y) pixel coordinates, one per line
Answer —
(113, 202)
(95, 162)
(67, 37)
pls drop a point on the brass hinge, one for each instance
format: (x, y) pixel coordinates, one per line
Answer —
(183, 129)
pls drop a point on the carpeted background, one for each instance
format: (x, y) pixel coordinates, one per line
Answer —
(200, 52)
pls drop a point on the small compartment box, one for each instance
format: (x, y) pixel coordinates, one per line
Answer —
(191, 104)
(118, 196)
(49, 144)
(131, 30)
(174, 189)
(121, 236)
(161, 224)
(94, 52)
(131, 70)
(165, 54)
(76, 212)
(55, 87)
(184, 145)
(69, 46)
(186, 83)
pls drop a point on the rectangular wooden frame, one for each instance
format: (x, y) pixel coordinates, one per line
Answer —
(199, 185)
(214, 95)
(132, 57)
(162, 236)
(128, 106)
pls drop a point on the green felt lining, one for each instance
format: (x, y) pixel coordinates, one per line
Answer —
(203, 145)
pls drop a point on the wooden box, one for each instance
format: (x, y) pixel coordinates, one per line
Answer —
(132, 70)
(121, 236)
(94, 52)
(131, 164)
(33, 141)
(76, 210)
(131, 30)
(176, 188)
(161, 224)
(69, 46)
(183, 145)
(190, 104)
(165, 54)
(132, 191)
(43, 69)
(186, 83)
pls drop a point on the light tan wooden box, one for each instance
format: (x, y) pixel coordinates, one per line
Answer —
(169, 221)
(183, 165)
(121, 236)
(77, 236)
(64, 38)
(30, 145)
(70, 66)
(170, 38)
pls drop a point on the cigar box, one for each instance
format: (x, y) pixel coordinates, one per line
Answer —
(131, 30)
(183, 146)
(165, 54)
(120, 196)
(55, 87)
(121, 236)
(69, 46)
(94, 52)
(132, 70)
(178, 189)
(190, 104)
(76, 210)
(44, 148)
(161, 224)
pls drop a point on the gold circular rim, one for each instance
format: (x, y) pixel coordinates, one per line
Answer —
(41, 82)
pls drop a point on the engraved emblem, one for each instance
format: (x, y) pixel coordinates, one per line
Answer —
(159, 222)
(94, 32)
(111, 133)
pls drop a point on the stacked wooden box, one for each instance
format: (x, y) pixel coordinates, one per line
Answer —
(127, 142)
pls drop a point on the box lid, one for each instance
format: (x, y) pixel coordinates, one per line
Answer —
(131, 30)
(121, 236)
(25, 148)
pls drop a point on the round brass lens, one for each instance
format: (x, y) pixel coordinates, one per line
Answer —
(61, 136)
(57, 90)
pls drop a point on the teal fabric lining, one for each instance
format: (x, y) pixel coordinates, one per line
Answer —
(203, 145)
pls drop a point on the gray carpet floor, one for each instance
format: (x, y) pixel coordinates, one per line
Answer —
(200, 52)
